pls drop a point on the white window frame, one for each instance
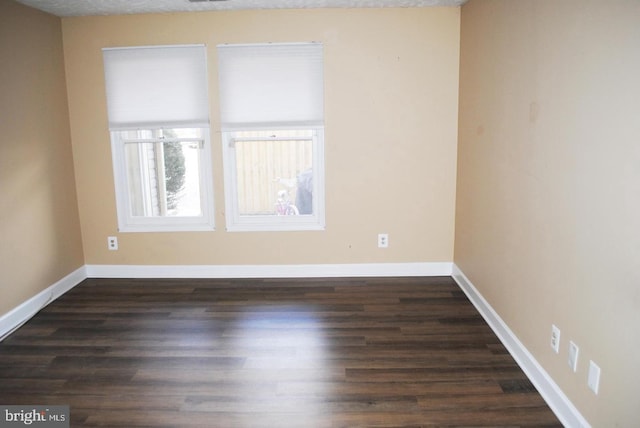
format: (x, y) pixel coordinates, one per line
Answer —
(249, 106)
(130, 223)
(139, 80)
(249, 223)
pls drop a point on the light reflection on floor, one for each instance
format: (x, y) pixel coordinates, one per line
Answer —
(288, 347)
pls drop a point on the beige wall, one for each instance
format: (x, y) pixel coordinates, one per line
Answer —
(391, 82)
(548, 198)
(39, 222)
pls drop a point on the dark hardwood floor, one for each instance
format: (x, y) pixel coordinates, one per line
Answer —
(383, 352)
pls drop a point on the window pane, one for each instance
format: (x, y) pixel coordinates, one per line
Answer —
(274, 172)
(163, 178)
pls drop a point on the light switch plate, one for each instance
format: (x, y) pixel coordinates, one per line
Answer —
(594, 377)
(573, 356)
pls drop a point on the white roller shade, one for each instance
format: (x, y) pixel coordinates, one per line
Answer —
(156, 86)
(271, 84)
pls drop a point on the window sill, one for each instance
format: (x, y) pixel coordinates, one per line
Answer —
(166, 228)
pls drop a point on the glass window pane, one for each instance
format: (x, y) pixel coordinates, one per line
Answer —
(274, 172)
(163, 178)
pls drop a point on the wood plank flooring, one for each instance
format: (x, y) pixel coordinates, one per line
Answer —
(379, 352)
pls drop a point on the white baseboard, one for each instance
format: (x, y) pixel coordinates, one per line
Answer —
(550, 391)
(23, 313)
(270, 271)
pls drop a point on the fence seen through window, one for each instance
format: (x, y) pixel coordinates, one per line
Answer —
(274, 172)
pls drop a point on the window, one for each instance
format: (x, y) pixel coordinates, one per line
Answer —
(162, 178)
(271, 104)
(159, 123)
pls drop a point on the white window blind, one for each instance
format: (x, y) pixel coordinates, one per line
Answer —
(156, 86)
(271, 85)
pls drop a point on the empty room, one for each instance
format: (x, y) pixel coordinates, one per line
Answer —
(320, 213)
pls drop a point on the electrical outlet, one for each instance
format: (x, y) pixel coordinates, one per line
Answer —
(112, 243)
(555, 338)
(383, 240)
(573, 356)
(594, 377)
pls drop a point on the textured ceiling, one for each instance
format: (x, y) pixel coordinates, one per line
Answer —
(120, 7)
